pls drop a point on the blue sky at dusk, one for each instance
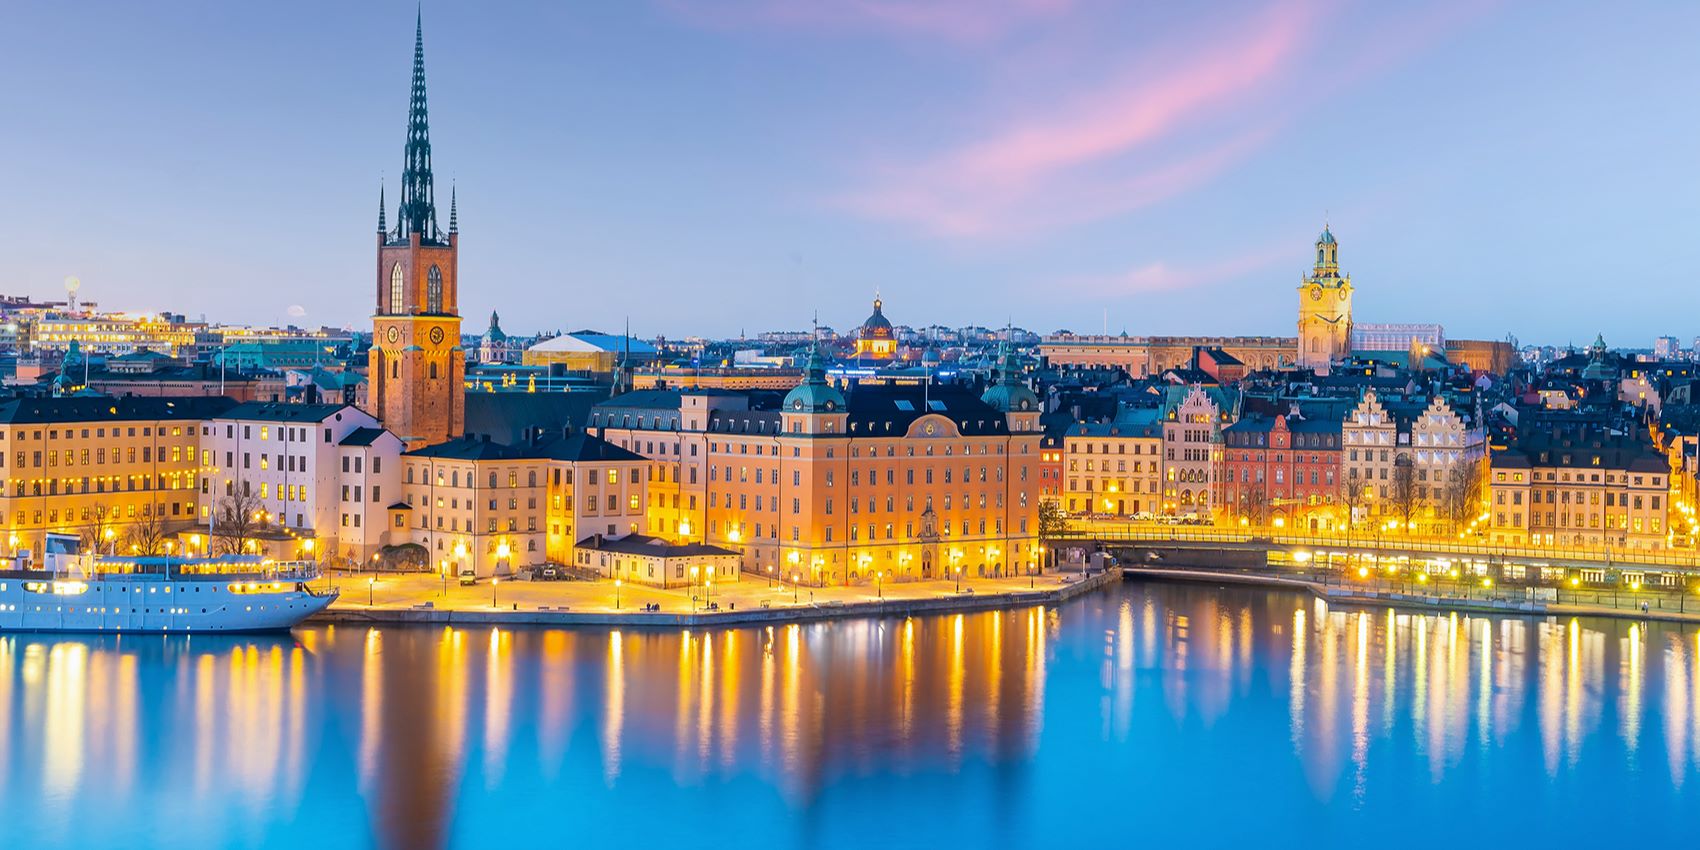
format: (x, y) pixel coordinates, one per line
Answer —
(706, 166)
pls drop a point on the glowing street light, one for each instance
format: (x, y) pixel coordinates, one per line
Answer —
(371, 584)
(616, 594)
(494, 581)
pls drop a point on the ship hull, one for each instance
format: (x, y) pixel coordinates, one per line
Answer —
(155, 605)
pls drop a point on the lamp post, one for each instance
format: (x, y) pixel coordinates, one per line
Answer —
(879, 581)
(616, 594)
(794, 579)
(371, 582)
(695, 571)
(958, 579)
(707, 592)
(494, 582)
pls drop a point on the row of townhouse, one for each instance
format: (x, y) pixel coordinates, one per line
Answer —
(1576, 485)
(1323, 464)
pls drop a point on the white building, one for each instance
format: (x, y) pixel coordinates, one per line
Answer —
(293, 463)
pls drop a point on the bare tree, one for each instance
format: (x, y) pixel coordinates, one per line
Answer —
(1254, 504)
(100, 533)
(1463, 494)
(148, 533)
(1353, 496)
(1403, 492)
(237, 520)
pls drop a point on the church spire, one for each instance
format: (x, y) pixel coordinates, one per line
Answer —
(381, 227)
(454, 214)
(418, 211)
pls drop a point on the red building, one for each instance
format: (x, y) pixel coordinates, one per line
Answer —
(1282, 471)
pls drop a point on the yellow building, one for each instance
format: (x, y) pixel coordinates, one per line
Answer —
(1114, 467)
(122, 473)
(492, 508)
(1572, 488)
(1325, 309)
(831, 486)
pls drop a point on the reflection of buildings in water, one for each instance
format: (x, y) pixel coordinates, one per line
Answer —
(228, 714)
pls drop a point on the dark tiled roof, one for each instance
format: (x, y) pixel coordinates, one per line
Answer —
(29, 411)
(362, 437)
(512, 417)
(472, 448)
(654, 547)
(276, 411)
(584, 447)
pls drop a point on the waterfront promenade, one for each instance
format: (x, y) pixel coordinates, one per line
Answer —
(427, 599)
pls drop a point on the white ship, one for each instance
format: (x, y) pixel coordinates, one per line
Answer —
(76, 593)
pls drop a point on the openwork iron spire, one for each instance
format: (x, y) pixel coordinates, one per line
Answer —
(454, 214)
(381, 227)
(418, 211)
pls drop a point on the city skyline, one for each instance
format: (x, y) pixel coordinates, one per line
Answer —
(980, 194)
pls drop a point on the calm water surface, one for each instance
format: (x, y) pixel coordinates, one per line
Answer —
(1149, 713)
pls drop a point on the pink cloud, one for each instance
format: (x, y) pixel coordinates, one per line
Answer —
(956, 20)
(1104, 151)
(1162, 276)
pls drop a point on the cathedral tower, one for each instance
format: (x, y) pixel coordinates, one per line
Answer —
(416, 368)
(1325, 309)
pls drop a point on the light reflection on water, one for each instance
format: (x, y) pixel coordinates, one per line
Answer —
(1148, 710)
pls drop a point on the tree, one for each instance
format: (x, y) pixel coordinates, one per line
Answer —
(1053, 523)
(1403, 492)
(1462, 497)
(148, 534)
(100, 532)
(1353, 496)
(1254, 504)
(237, 520)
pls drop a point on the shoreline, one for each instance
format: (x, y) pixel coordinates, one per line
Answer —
(781, 614)
(1408, 601)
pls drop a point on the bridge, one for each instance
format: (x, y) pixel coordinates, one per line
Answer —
(1149, 542)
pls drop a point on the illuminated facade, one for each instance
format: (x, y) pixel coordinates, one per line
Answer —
(1576, 487)
(1114, 468)
(119, 472)
(834, 486)
(1325, 309)
(876, 340)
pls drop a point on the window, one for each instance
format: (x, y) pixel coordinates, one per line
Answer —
(397, 304)
(434, 290)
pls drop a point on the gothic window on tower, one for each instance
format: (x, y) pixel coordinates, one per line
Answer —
(433, 371)
(434, 291)
(396, 302)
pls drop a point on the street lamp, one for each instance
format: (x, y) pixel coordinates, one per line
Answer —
(494, 581)
(695, 571)
(616, 594)
(707, 592)
(794, 579)
(371, 581)
(959, 579)
(879, 580)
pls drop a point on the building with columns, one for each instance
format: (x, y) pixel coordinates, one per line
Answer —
(1325, 309)
(416, 366)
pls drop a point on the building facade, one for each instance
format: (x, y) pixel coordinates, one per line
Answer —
(1325, 309)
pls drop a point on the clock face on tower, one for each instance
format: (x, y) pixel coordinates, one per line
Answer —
(393, 334)
(436, 336)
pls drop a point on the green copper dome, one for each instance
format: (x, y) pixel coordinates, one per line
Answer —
(814, 394)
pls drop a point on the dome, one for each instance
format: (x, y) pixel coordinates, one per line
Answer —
(495, 333)
(814, 394)
(1327, 237)
(877, 324)
(1011, 397)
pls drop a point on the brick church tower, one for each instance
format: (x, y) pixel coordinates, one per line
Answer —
(417, 369)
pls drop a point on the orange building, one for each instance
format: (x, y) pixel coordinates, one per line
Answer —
(830, 485)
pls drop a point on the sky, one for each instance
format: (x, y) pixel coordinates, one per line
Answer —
(706, 167)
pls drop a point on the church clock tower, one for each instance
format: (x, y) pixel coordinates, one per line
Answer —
(416, 367)
(1325, 310)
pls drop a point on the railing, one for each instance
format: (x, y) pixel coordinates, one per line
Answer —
(1440, 590)
(1137, 533)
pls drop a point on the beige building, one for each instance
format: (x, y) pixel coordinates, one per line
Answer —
(475, 504)
(1192, 450)
(1114, 468)
(1574, 488)
(121, 473)
(1144, 356)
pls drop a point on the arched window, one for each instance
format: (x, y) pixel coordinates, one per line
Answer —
(434, 291)
(433, 370)
(397, 304)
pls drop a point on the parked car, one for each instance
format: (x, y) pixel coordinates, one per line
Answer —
(468, 577)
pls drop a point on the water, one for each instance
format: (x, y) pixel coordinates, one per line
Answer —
(1148, 713)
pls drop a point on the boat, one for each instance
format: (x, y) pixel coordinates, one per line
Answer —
(156, 594)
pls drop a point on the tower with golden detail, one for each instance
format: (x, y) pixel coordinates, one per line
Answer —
(1325, 309)
(416, 367)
